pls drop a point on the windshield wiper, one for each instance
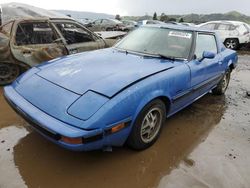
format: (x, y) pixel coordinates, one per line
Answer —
(172, 58)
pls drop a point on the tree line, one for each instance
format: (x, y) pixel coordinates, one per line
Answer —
(163, 17)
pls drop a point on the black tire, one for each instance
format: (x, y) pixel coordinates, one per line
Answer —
(8, 73)
(222, 85)
(137, 139)
(232, 44)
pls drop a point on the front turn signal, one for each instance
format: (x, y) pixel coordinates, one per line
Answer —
(69, 140)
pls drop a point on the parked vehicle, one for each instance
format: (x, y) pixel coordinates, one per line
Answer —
(29, 40)
(123, 94)
(145, 22)
(106, 25)
(188, 24)
(130, 25)
(232, 33)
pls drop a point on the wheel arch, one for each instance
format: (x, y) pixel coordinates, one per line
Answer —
(153, 96)
(232, 38)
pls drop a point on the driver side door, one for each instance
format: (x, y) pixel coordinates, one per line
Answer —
(202, 69)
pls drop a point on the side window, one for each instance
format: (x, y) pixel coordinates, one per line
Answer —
(224, 27)
(74, 33)
(242, 29)
(210, 26)
(34, 33)
(247, 27)
(98, 22)
(205, 42)
(105, 22)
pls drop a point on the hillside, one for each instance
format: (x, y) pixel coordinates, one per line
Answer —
(194, 18)
(200, 18)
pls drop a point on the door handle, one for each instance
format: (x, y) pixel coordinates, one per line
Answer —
(220, 62)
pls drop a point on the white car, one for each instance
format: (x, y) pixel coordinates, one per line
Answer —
(232, 33)
(144, 22)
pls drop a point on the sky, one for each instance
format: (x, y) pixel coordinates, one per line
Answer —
(142, 7)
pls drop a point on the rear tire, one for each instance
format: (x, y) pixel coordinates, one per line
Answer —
(232, 44)
(147, 126)
(222, 85)
(8, 73)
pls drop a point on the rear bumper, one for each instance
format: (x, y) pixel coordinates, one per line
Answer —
(52, 128)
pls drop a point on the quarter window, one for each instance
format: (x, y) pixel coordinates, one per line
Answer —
(224, 27)
(210, 26)
(205, 42)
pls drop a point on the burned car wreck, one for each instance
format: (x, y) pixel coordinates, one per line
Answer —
(30, 35)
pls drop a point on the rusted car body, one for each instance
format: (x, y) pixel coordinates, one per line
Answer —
(30, 40)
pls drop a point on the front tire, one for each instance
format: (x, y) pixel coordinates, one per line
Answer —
(148, 125)
(8, 73)
(222, 85)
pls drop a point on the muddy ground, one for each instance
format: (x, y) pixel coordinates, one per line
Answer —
(205, 145)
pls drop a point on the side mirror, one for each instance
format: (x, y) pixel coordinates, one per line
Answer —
(207, 55)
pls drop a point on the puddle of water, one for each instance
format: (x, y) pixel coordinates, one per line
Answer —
(7, 115)
(10, 176)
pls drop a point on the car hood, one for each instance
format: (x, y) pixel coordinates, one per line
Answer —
(106, 71)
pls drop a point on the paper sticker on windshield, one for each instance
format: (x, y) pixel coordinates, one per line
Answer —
(180, 34)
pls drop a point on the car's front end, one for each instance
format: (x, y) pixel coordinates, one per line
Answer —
(66, 131)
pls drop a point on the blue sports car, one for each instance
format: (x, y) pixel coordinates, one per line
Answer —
(109, 97)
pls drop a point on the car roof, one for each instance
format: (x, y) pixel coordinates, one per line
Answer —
(17, 11)
(226, 22)
(179, 27)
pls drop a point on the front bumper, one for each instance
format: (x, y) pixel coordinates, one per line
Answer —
(54, 129)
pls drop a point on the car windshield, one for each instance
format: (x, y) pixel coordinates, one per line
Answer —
(162, 42)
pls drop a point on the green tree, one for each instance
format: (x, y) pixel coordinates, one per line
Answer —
(155, 16)
(118, 17)
(181, 20)
(163, 17)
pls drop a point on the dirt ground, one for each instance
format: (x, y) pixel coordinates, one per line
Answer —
(205, 145)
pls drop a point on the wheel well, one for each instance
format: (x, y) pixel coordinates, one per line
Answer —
(231, 67)
(231, 38)
(166, 101)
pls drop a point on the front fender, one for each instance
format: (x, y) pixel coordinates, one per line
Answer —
(148, 98)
